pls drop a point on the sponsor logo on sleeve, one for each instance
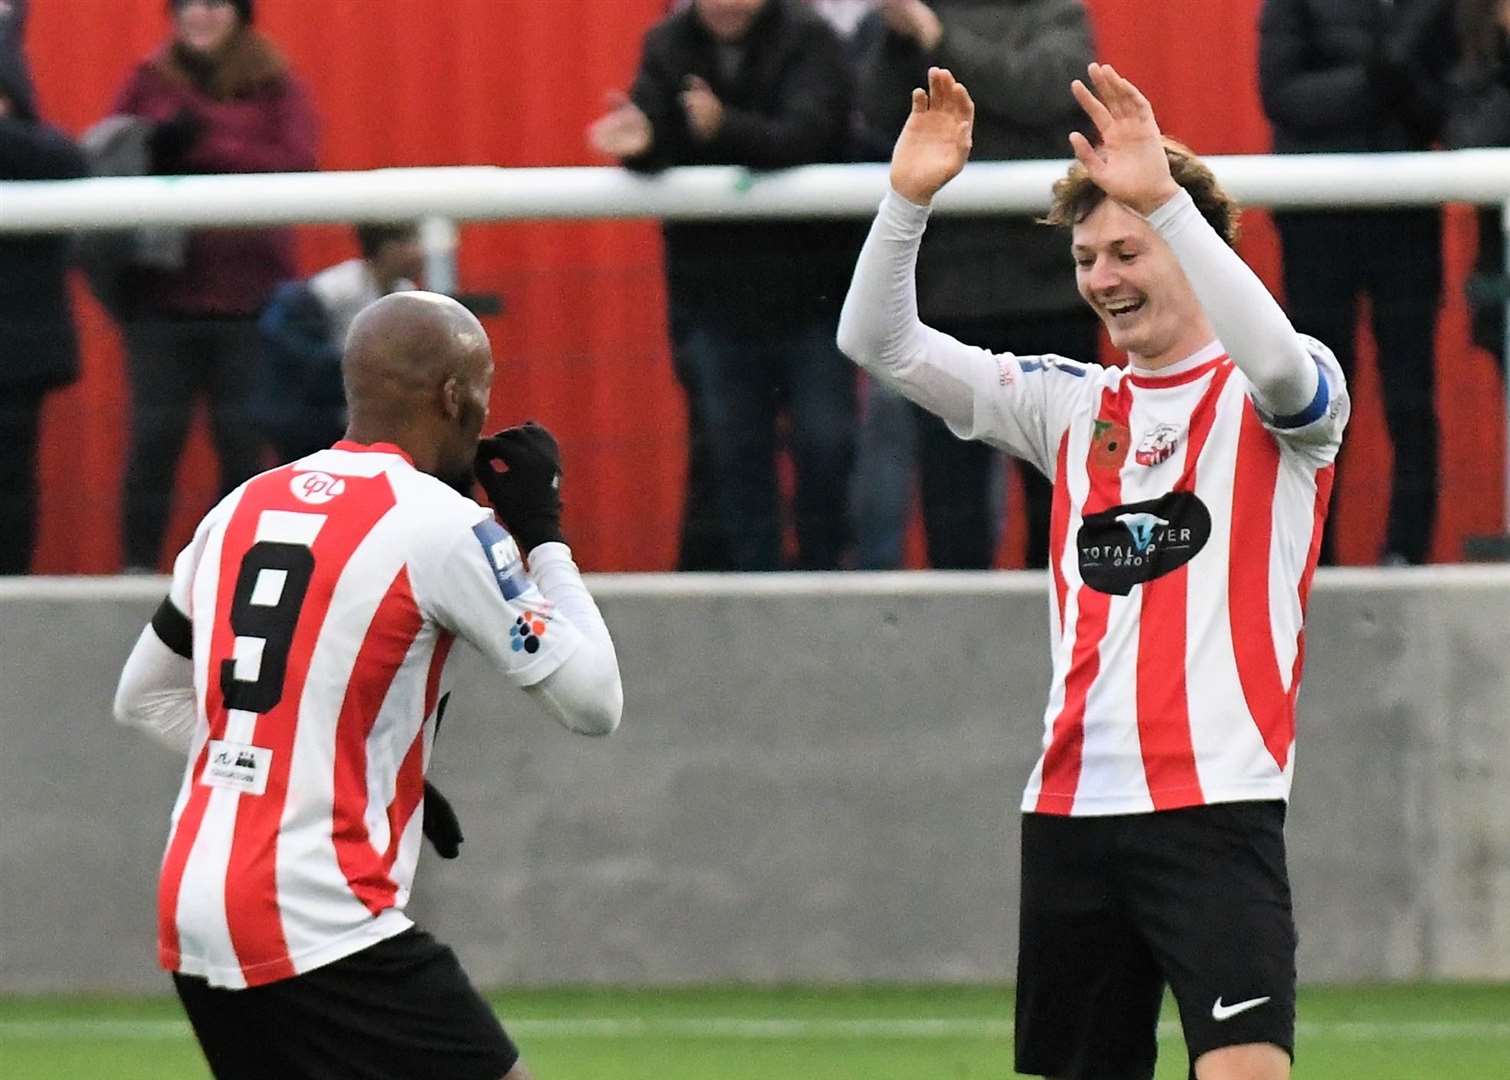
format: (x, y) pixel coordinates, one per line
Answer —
(528, 631)
(1138, 542)
(503, 558)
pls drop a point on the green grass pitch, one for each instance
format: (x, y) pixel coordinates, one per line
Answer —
(1460, 1032)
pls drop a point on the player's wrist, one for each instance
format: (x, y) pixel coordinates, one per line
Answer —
(917, 195)
(532, 530)
(1151, 202)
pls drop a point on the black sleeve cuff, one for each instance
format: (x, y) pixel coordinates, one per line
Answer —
(174, 629)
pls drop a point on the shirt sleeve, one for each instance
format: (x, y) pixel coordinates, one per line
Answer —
(481, 591)
(1251, 325)
(1020, 404)
(1315, 432)
(156, 689)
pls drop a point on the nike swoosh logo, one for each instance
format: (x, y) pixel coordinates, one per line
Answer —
(1227, 1012)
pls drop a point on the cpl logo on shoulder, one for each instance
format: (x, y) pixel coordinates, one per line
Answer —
(1137, 542)
(316, 487)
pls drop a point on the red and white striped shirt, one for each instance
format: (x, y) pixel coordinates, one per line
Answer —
(1184, 535)
(1185, 531)
(324, 599)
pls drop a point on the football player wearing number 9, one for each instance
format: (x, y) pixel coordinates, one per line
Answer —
(1189, 493)
(299, 661)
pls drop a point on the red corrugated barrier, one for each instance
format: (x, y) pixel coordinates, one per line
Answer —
(581, 345)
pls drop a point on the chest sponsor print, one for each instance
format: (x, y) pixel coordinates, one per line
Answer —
(1134, 543)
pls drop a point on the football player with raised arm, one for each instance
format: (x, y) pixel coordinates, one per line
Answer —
(300, 662)
(1190, 489)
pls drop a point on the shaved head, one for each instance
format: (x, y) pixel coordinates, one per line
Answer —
(418, 368)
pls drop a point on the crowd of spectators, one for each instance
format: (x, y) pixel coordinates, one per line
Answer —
(220, 315)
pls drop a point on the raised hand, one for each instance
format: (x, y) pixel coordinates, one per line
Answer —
(520, 469)
(935, 142)
(1129, 165)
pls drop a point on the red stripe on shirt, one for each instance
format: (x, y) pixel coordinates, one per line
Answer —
(1061, 761)
(1163, 695)
(1153, 381)
(253, 914)
(395, 625)
(1253, 488)
(408, 792)
(409, 786)
(1324, 478)
(1059, 524)
(238, 537)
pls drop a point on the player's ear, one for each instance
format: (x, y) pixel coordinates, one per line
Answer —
(451, 397)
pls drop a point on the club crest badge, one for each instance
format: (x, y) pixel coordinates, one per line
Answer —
(1158, 445)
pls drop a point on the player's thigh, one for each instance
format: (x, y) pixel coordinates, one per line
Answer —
(1211, 894)
(401, 1008)
(237, 1036)
(1088, 987)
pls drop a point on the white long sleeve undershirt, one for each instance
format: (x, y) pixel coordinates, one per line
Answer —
(585, 692)
(156, 693)
(1247, 319)
(880, 330)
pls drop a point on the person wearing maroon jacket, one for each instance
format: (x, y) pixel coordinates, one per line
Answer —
(223, 100)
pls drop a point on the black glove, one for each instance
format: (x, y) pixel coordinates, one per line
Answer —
(172, 139)
(441, 826)
(520, 469)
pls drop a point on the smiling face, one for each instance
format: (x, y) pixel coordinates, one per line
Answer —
(1132, 280)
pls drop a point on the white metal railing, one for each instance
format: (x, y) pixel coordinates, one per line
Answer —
(440, 197)
(472, 193)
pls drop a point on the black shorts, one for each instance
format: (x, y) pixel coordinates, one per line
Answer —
(1114, 908)
(400, 1009)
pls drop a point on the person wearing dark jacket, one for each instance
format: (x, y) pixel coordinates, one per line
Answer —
(12, 55)
(1478, 114)
(1367, 76)
(223, 101)
(1002, 283)
(754, 305)
(39, 349)
(300, 401)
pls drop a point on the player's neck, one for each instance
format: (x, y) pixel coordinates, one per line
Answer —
(1197, 338)
(421, 450)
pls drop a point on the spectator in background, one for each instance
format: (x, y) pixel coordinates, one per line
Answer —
(12, 53)
(1354, 76)
(754, 305)
(702, 545)
(1478, 114)
(300, 401)
(224, 101)
(1002, 283)
(39, 349)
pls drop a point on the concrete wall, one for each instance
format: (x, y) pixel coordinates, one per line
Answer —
(816, 779)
